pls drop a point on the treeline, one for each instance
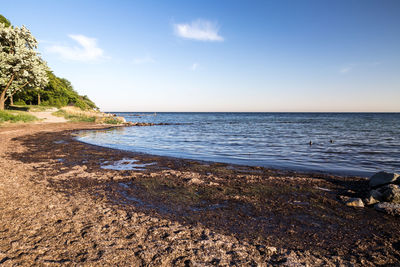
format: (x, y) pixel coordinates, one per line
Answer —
(17, 89)
(58, 92)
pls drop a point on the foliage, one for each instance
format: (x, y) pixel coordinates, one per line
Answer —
(5, 21)
(59, 93)
(16, 116)
(111, 121)
(25, 77)
(20, 64)
(31, 108)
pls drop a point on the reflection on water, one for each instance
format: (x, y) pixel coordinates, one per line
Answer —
(362, 143)
(125, 165)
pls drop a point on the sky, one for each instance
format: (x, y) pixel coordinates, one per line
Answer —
(222, 56)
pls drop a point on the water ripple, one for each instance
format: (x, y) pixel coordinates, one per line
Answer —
(363, 143)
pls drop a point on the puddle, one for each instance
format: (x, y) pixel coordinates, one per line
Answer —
(323, 189)
(126, 165)
(209, 207)
(60, 142)
(124, 185)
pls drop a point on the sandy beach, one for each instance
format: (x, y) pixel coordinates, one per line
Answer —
(60, 206)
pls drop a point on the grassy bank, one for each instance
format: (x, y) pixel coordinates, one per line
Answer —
(15, 116)
(74, 117)
(78, 115)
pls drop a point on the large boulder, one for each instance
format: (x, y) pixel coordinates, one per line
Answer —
(389, 208)
(390, 193)
(383, 178)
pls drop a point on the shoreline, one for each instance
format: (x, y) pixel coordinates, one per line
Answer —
(303, 172)
(175, 211)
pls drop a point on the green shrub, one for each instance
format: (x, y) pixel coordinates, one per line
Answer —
(112, 121)
(20, 102)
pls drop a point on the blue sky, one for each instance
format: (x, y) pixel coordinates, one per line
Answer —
(222, 55)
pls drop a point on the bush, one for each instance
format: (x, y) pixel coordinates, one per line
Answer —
(20, 102)
(112, 121)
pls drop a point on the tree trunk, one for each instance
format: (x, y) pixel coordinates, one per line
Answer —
(3, 94)
(11, 100)
(2, 99)
(38, 99)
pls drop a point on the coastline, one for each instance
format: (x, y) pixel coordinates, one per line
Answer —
(58, 205)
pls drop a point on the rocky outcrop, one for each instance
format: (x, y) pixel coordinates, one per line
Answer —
(383, 178)
(389, 208)
(384, 193)
(390, 193)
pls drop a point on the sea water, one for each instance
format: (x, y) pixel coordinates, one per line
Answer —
(342, 143)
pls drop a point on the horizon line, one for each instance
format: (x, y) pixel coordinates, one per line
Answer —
(253, 111)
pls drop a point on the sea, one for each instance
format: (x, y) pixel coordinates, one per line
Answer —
(337, 143)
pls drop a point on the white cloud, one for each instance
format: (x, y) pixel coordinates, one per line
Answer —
(194, 66)
(86, 51)
(201, 30)
(143, 60)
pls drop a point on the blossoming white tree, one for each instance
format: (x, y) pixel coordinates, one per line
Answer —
(20, 64)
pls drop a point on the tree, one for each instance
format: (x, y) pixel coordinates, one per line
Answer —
(20, 64)
(5, 21)
(32, 82)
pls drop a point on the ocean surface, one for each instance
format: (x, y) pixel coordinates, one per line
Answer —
(362, 143)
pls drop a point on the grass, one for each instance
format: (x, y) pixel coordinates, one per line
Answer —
(74, 117)
(112, 121)
(85, 117)
(31, 107)
(38, 108)
(15, 116)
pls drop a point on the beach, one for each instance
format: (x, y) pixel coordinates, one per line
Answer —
(61, 204)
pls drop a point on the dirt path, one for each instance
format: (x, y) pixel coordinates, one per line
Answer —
(48, 117)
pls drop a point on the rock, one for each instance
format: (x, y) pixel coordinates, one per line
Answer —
(355, 202)
(195, 180)
(342, 198)
(370, 201)
(390, 193)
(376, 194)
(271, 250)
(374, 197)
(383, 178)
(389, 208)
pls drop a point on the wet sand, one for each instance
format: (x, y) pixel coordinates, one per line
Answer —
(59, 205)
